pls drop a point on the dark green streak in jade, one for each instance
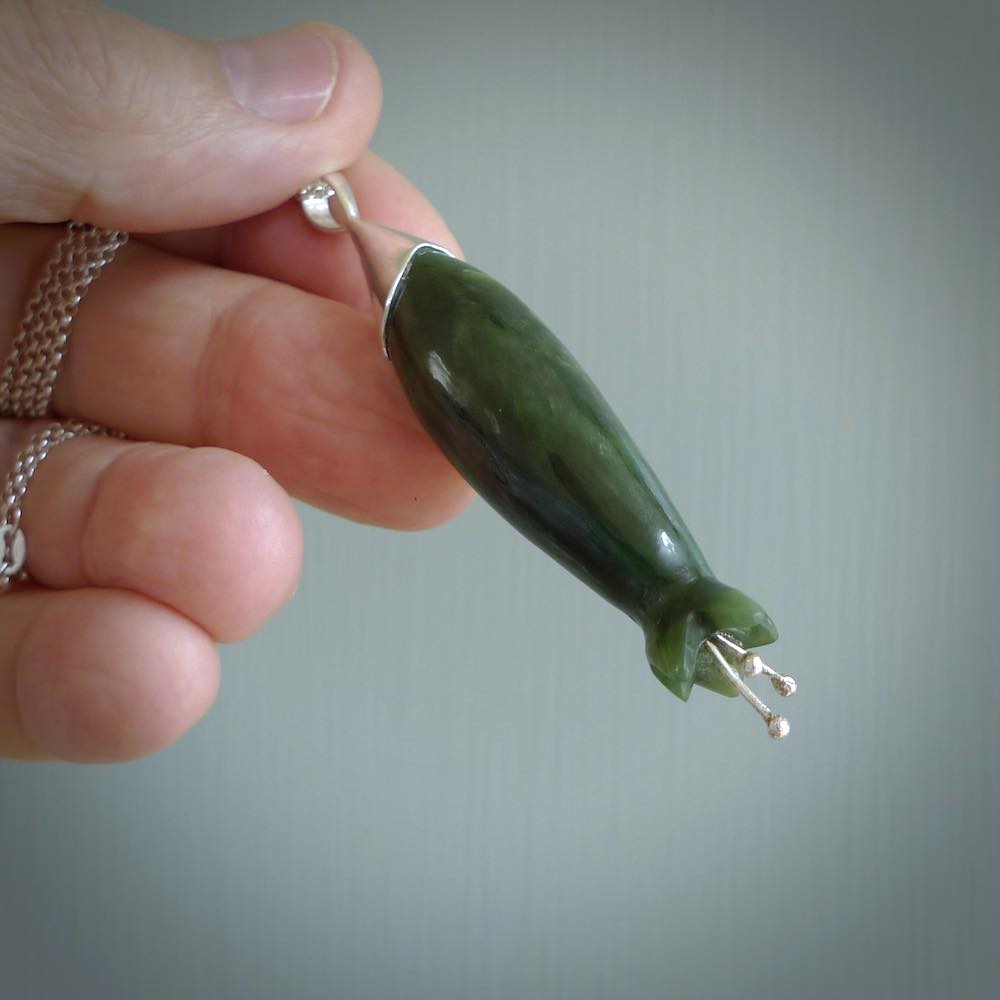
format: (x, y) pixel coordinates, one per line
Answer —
(520, 419)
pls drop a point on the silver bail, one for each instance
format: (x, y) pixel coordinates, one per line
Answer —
(329, 204)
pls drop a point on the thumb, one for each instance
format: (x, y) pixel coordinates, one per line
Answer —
(109, 120)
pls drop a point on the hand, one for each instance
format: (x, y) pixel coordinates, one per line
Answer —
(230, 342)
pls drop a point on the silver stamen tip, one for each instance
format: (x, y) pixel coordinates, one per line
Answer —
(749, 664)
(752, 665)
(784, 685)
(778, 727)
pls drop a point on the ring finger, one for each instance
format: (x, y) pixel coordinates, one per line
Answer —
(155, 551)
(203, 531)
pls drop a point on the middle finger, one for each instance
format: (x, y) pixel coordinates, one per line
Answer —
(171, 349)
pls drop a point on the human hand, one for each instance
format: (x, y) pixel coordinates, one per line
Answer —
(226, 338)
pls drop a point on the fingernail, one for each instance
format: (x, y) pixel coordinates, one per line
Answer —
(286, 76)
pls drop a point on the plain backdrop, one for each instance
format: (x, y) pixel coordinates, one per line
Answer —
(770, 229)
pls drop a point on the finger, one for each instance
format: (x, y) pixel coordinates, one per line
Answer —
(99, 675)
(113, 121)
(172, 350)
(204, 531)
(282, 245)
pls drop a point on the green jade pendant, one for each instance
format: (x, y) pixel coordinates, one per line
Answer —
(526, 427)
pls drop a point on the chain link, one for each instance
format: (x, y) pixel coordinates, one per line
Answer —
(38, 349)
(16, 485)
(30, 372)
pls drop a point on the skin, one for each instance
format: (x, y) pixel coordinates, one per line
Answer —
(232, 344)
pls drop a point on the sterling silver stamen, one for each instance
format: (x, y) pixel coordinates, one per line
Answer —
(749, 664)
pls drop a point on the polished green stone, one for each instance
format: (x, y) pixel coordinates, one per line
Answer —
(523, 423)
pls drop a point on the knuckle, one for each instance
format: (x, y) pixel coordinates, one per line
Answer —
(235, 362)
(67, 45)
(72, 80)
(73, 59)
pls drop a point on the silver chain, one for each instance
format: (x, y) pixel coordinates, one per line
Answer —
(16, 485)
(38, 349)
(32, 366)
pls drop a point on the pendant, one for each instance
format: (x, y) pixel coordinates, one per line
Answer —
(527, 428)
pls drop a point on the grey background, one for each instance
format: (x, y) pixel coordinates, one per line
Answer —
(771, 230)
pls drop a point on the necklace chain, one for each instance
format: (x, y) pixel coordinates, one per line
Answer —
(29, 374)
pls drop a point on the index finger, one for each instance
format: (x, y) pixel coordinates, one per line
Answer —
(281, 245)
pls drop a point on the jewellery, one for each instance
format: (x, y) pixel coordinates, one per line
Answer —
(15, 547)
(523, 423)
(38, 348)
(33, 364)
